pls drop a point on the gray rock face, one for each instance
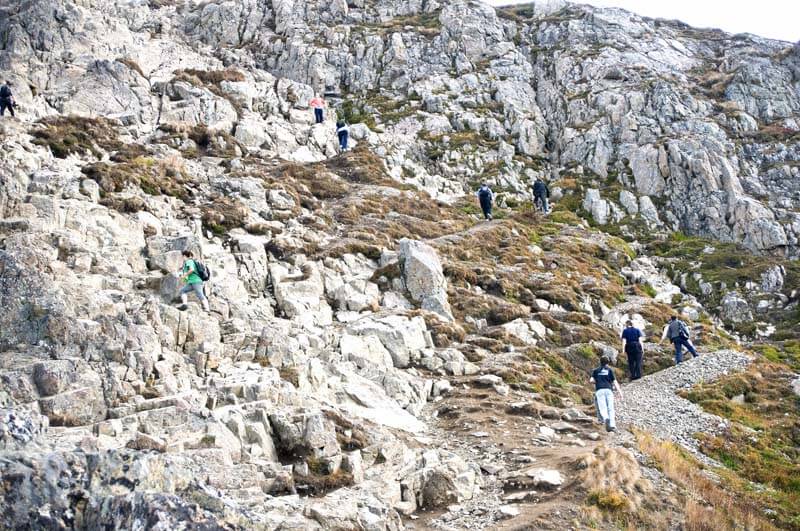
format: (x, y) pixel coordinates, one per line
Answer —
(423, 277)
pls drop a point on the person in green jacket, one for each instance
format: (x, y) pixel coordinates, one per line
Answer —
(192, 281)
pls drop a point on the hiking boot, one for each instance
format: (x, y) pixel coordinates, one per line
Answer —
(611, 429)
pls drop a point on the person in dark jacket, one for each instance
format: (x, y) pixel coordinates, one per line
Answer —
(540, 194)
(678, 334)
(485, 200)
(604, 383)
(342, 131)
(632, 345)
(6, 99)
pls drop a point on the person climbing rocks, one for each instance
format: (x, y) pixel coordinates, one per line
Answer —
(485, 200)
(678, 334)
(7, 99)
(604, 383)
(342, 131)
(318, 104)
(192, 281)
(632, 346)
(540, 194)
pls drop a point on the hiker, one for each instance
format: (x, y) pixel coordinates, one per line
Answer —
(604, 381)
(192, 280)
(540, 194)
(632, 346)
(7, 99)
(342, 131)
(485, 199)
(318, 104)
(678, 333)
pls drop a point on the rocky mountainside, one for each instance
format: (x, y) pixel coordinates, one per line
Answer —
(375, 356)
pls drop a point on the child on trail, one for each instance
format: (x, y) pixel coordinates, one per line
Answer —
(7, 99)
(342, 131)
(540, 195)
(485, 200)
(318, 104)
(604, 381)
(632, 346)
(192, 282)
(678, 334)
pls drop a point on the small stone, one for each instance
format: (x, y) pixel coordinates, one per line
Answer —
(507, 511)
(547, 431)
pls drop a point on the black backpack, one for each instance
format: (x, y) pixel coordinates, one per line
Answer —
(5, 92)
(202, 271)
(485, 193)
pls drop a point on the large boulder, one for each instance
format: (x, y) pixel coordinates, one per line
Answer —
(423, 277)
(403, 337)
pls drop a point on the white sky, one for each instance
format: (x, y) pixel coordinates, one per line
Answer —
(776, 19)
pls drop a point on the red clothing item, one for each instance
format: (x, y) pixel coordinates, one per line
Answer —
(317, 103)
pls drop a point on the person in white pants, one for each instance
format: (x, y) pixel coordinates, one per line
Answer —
(604, 381)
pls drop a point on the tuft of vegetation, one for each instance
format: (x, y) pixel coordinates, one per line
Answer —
(763, 443)
(208, 77)
(133, 65)
(131, 169)
(707, 505)
(224, 213)
(207, 142)
(76, 135)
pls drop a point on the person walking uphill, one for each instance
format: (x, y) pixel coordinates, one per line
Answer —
(632, 345)
(318, 104)
(678, 334)
(192, 275)
(6, 99)
(540, 194)
(342, 131)
(485, 199)
(604, 381)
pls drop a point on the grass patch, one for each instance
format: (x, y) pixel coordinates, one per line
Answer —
(763, 443)
(707, 505)
(75, 135)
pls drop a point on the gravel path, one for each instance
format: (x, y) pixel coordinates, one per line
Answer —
(651, 403)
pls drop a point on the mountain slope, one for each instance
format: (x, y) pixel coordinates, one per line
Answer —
(364, 323)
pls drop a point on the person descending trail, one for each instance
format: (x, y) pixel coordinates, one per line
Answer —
(678, 334)
(632, 346)
(342, 131)
(604, 381)
(318, 104)
(194, 274)
(485, 200)
(540, 195)
(7, 99)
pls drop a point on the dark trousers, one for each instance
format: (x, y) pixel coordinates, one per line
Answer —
(634, 352)
(6, 104)
(486, 207)
(541, 200)
(343, 140)
(679, 343)
(318, 115)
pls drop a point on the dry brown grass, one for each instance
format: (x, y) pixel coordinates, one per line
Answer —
(67, 135)
(208, 142)
(721, 509)
(133, 65)
(154, 177)
(208, 77)
(224, 213)
(613, 478)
